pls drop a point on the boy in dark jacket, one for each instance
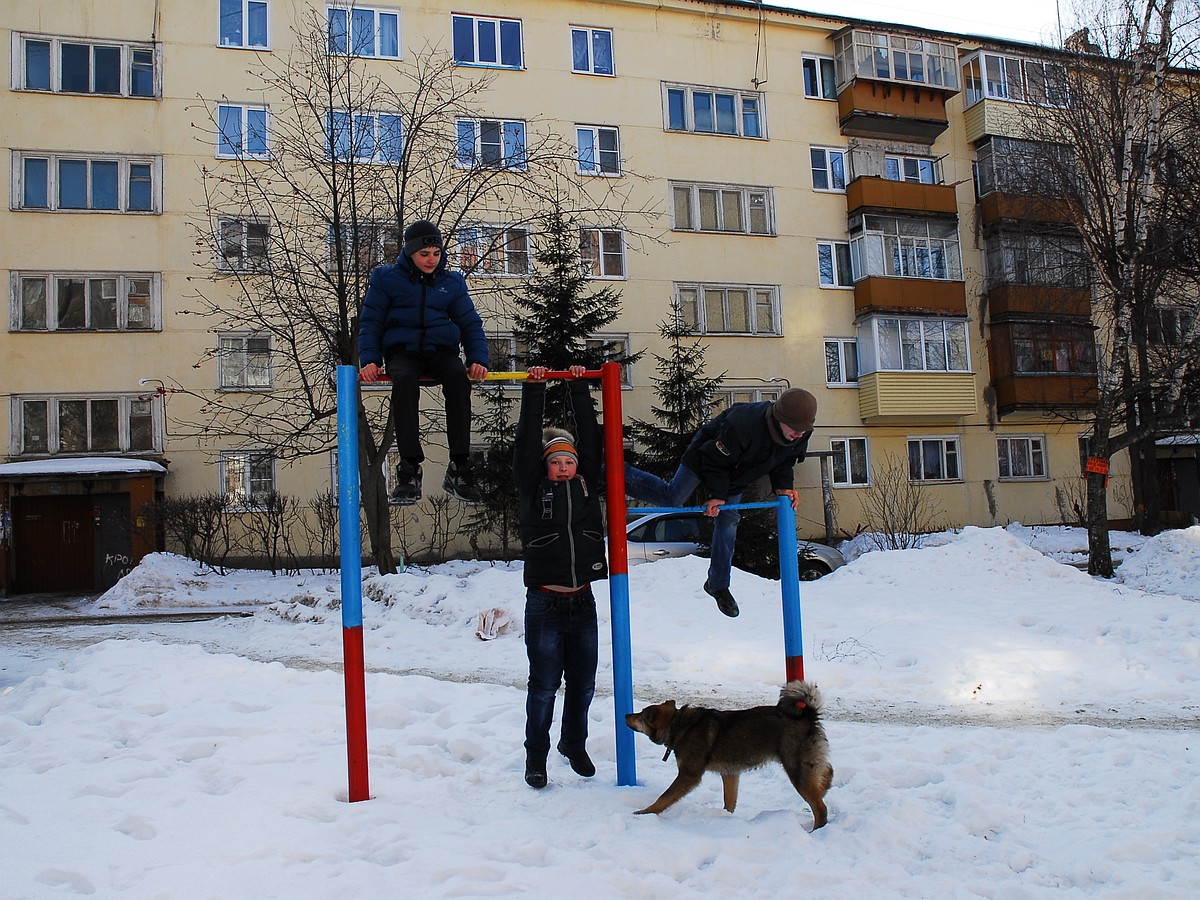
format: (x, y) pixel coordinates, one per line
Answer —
(415, 316)
(726, 455)
(558, 481)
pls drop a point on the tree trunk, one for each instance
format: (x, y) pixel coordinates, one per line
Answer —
(1151, 507)
(1099, 548)
(374, 495)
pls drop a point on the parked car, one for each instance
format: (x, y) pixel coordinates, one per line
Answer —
(664, 535)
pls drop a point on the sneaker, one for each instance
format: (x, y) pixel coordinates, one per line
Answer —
(725, 601)
(581, 763)
(535, 773)
(460, 483)
(407, 489)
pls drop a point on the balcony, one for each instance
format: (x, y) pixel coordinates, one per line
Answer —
(927, 296)
(1001, 207)
(1039, 300)
(893, 111)
(924, 396)
(873, 192)
(1044, 391)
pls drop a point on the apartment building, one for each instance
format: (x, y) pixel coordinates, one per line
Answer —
(833, 205)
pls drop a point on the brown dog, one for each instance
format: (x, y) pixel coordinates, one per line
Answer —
(731, 741)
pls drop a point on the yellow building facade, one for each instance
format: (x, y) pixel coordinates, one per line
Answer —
(815, 214)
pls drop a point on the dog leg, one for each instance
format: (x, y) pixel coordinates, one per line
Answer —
(683, 784)
(812, 785)
(729, 785)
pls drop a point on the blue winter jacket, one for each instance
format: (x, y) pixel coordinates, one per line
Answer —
(404, 309)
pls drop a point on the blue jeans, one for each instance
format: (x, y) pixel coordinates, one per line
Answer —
(652, 489)
(560, 640)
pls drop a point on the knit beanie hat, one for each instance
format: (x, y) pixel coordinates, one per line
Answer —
(420, 235)
(556, 442)
(795, 408)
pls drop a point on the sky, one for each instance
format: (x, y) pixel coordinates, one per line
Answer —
(1000, 725)
(1033, 21)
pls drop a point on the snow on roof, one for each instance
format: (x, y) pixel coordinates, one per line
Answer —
(82, 465)
(1179, 440)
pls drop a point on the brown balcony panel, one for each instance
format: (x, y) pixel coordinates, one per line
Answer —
(887, 109)
(1041, 300)
(1047, 390)
(910, 295)
(1001, 207)
(871, 191)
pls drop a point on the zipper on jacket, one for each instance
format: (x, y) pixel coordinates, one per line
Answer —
(571, 536)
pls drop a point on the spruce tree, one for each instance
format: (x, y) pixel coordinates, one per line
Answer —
(497, 514)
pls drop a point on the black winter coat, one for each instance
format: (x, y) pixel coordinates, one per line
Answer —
(736, 448)
(562, 530)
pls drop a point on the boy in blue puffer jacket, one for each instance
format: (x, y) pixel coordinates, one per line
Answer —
(415, 316)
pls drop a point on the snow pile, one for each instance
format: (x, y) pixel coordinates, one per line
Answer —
(1168, 563)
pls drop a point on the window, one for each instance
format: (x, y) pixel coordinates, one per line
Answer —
(243, 362)
(1021, 456)
(723, 208)
(243, 245)
(75, 66)
(917, 169)
(1053, 347)
(244, 24)
(905, 248)
(820, 83)
(849, 462)
(1170, 326)
(242, 131)
(725, 397)
(890, 344)
(602, 251)
(841, 362)
(365, 137)
(729, 309)
(106, 301)
(247, 478)
(714, 111)
(895, 57)
(490, 144)
(592, 51)
(493, 250)
(1025, 167)
(933, 459)
(1015, 79)
(363, 31)
(833, 264)
(369, 245)
(828, 169)
(483, 41)
(49, 425)
(598, 150)
(507, 352)
(96, 183)
(1037, 259)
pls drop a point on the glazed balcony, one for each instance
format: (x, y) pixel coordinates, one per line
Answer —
(999, 206)
(918, 396)
(1041, 300)
(893, 110)
(1044, 391)
(929, 296)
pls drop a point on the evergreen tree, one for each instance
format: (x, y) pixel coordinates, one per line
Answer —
(497, 514)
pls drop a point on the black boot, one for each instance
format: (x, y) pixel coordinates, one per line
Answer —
(725, 601)
(460, 483)
(535, 772)
(581, 763)
(407, 489)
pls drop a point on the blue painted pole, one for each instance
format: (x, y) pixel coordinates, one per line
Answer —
(350, 538)
(789, 579)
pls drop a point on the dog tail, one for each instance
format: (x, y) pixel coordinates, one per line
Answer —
(800, 699)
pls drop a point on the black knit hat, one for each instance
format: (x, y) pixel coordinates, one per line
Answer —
(420, 235)
(795, 408)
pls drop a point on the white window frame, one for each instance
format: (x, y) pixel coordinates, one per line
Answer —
(905, 247)
(823, 166)
(834, 257)
(125, 177)
(749, 111)
(858, 55)
(1013, 79)
(727, 395)
(348, 135)
(893, 340)
(844, 458)
(949, 453)
(493, 251)
(355, 43)
(1034, 456)
(505, 347)
(495, 24)
(247, 6)
(258, 262)
(602, 252)
(132, 55)
(244, 362)
(697, 205)
(125, 284)
(243, 497)
(511, 145)
(586, 37)
(821, 71)
(841, 362)
(896, 167)
(379, 244)
(234, 146)
(147, 405)
(759, 298)
(590, 157)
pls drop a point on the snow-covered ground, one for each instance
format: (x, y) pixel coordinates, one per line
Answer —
(1000, 725)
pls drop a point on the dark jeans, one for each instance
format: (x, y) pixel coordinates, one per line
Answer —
(561, 640)
(652, 489)
(446, 368)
